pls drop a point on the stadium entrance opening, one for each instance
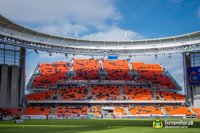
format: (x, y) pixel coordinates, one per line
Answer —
(108, 112)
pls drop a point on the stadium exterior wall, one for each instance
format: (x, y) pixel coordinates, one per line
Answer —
(12, 83)
(196, 97)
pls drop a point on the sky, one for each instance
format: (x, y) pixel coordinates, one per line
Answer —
(106, 20)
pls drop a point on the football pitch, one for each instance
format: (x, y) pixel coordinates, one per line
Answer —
(91, 126)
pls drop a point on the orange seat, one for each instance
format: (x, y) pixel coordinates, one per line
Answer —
(50, 73)
(106, 92)
(37, 111)
(96, 110)
(86, 69)
(197, 111)
(40, 95)
(71, 110)
(152, 73)
(177, 110)
(169, 96)
(73, 93)
(136, 93)
(120, 111)
(117, 69)
(145, 110)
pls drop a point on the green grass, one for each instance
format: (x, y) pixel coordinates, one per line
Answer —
(90, 126)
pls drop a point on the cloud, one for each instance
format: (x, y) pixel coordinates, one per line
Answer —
(63, 17)
(38, 11)
(67, 29)
(114, 34)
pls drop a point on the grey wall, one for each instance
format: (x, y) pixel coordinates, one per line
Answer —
(14, 93)
(9, 86)
(3, 87)
(196, 96)
(12, 82)
(22, 76)
(187, 88)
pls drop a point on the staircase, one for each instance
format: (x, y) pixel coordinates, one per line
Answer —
(51, 96)
(121, 90)
(22, 111)
(86, 95)
(90, 92)
(53, 111)
(191, 111)
(126, 111)
(71, 65)
(101, 64)
(130, 66)
(89, 89)
(132, 73)
(102, 73)
(163, 111)
(59, 96)
(154, 91)
(71, 73)
(154, 94)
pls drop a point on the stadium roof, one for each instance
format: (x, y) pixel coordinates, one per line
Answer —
(14, 34)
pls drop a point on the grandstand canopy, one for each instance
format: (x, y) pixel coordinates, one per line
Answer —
(15, 34)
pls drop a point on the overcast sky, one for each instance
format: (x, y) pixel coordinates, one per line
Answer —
(106, 20)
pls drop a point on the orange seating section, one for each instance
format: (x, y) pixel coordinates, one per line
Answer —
(96, 110)
(170, 96)
(175, 110)
(71, 110)
(37, 111)
(73, 93)
(197, 111)
(50, 73)
(86, 69)
(40, 95)
(116, 69)
(152, 73)
(106, 92)
(120, 111)
(11, 111)
(135, 93)
(145, 110)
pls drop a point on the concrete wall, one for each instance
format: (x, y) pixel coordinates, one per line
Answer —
(14, 93)
(187, 88)
(3, 87)
(9, 86)
(196, 96)
(22, 76)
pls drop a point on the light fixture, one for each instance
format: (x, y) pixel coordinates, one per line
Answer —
(169, 55)
(156, 56)
(36, 51)
(187, 53)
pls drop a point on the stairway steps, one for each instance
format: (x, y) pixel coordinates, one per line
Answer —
(163, 111)
(126, 111)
